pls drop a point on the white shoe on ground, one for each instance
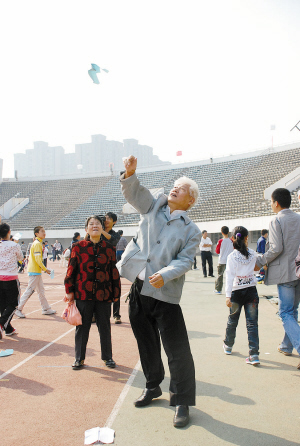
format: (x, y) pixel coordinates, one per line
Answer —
(19, 313)
(49, 311)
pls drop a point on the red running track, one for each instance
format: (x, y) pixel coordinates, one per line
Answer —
(44, 401)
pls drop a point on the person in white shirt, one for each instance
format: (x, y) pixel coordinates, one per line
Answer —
(224, 248)
(241, 292)
(10, 255)
(206, 256)
(45, 253)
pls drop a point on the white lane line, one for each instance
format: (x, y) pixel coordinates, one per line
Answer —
(36, 353)
(122, 396)
(35, 311)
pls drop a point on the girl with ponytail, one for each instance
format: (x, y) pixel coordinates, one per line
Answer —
(241, 292)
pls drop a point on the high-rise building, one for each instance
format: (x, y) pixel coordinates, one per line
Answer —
(99, 155)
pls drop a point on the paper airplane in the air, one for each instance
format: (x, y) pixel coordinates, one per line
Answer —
(93, 73)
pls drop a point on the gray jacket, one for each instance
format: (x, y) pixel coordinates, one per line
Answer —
(284, 240)
(162, 246)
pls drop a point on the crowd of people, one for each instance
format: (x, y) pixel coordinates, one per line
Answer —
(155, 261)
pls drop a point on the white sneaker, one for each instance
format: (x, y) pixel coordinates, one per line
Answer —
(19, 313)
(50, 311)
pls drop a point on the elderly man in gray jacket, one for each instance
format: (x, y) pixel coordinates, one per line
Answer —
(284, 240)
(156, 261)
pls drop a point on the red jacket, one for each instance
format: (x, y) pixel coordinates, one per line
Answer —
(218, 247)
(92, 272)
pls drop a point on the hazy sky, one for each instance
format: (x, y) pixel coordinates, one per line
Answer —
(205, 77)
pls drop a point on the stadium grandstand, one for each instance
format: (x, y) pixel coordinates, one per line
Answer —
(231, 191)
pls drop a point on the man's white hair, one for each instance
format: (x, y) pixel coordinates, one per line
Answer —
(193, 188)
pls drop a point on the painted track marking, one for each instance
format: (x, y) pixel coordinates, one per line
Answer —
(122, 396)
(34, 354)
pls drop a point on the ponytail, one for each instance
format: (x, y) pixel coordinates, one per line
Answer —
(239, 234)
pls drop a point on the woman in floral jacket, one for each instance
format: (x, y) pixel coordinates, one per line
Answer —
(93, 280)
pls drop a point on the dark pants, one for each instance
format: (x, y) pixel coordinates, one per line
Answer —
(206, 256)
(102, 311)
(45, 262)
(119, 254)
(247, 298)
(9, 300)
(151, 320)
(195, 262)
(116, 309)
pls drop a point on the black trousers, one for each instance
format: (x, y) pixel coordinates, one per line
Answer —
(151, 320)
(116, 309)
(9, 300)
(102, 311)
(206, 256)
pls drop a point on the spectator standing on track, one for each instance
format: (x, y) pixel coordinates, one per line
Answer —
(75, 239)
(10, 255)
(45, 253)
(34, 269)
(156, 260)
(206, 256)
(261, 242)
(224, 248)
(284, 240)
(93, 280)
(113, 238)
(122, 243)
(24, 250)
(261, 249)
(241, 292)
(57, 250)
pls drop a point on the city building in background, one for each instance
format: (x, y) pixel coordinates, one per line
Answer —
(99, 155)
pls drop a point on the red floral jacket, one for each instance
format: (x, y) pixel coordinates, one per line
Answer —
(92, 272)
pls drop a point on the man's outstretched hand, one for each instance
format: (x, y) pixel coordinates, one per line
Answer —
(156, 280)
(130, 164)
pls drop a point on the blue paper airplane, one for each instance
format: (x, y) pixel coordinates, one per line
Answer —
(7, 352)
(93, 73)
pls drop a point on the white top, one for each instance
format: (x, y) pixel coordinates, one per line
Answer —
(240, 271)
(10, 254)
(45, 252)
(205, 241)
(225, 250)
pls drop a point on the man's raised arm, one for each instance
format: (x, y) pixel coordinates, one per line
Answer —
(135, 194)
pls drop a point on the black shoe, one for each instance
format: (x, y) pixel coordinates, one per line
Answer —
(78, 365)
(204, 277)
(147, 396)
(181, 417)
(110, 363)
(212, 276)
(118, 320)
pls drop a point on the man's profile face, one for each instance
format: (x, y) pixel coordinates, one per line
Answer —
(180, 196)
(274, 206)
(108, 223)
(204, 235)
(41, 234)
